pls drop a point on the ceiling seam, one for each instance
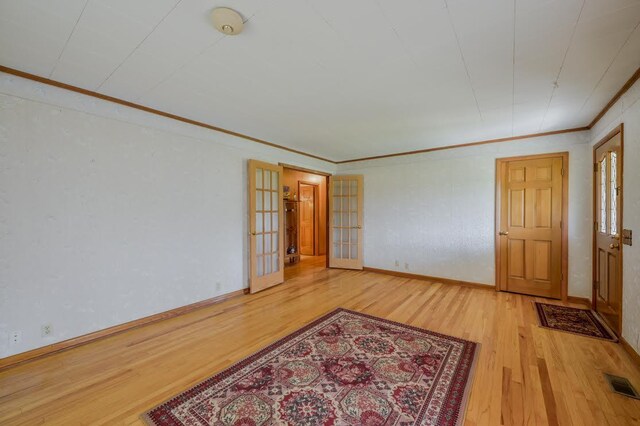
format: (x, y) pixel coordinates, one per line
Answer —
(138, 45)
(513, 71)
(564, 58)
(73, 30)
(464, 62)
(609, 67)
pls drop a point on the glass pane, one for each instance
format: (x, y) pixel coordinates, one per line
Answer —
(354, 236)
(259, 249)
(336, 235)
(267, 264)
(354, 251)
(258, 178)
(336, 251)
(267, 243)
(613, 212)
(345, 187)
(603, 195)
(354, 187)
(258, 200)
(345, 251)
(274, 221)
(274, 242)
(259, 268)
(274, 181)
(267, 222)
(274, 201)
(336, 188)
(345, 235)
(267, 200)
(336, 219)
(354, 219)
(276, 263)
(337, 204)
(267, 179)
(258, 222)
(354, 204)
(345, 219)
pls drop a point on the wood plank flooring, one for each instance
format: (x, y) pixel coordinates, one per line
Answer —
(526, 375)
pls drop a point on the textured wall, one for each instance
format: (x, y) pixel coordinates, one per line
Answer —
(627, 111)
(109, 214)
(435, 211)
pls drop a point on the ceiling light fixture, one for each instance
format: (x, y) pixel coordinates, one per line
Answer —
(227, 21)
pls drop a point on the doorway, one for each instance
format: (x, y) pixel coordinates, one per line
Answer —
(607, 212)
(531, 225)
(305, 200)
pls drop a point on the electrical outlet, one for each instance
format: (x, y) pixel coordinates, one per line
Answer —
(397, 263)
(15, 337)
(218, 286)
(46, 330)
(406, 266)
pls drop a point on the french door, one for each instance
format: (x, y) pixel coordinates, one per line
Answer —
(345, 221)
(266, 264)
(607, 260)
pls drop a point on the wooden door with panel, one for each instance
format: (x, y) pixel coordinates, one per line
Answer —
(530, 237)
(607, 256)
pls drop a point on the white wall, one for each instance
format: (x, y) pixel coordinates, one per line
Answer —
(435, 211)
(627, 111)
(110, 214)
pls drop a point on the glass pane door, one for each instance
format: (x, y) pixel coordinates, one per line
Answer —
(345, 209)
(265, 225)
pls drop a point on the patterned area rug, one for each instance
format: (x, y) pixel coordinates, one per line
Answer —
(345, 368)
(573, 320)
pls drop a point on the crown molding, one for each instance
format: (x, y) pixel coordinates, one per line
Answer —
(630, 82)
(140, 107)
(464, 145)
(616, 97)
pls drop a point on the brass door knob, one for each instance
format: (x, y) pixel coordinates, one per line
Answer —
(614, 245)
(503, 233)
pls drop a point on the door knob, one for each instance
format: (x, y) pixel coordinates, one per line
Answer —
(503, 233)
(614, 245)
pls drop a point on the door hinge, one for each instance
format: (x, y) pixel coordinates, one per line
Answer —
(561, 172)
(595, 167)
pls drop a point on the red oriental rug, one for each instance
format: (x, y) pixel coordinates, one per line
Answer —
(345, 368)
(573, 320)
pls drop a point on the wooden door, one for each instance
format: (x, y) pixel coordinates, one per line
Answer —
(531, 198)
(607, 259)
(307, 219)
(345, 219)
(266, 217)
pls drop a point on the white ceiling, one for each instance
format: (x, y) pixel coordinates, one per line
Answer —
(340, 79)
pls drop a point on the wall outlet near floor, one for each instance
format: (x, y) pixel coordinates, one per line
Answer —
(406, 266)
(218, 286)
(15, 337)
(46, 330)
(397, 263)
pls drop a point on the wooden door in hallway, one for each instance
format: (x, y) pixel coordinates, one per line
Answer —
(266, 246)
(345, 220)
(607, 255)
(307, 218)
(531, 199)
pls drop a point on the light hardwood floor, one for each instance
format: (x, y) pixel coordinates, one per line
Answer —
(525, 374)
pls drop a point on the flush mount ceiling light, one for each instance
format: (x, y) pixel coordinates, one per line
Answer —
(227, 21)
